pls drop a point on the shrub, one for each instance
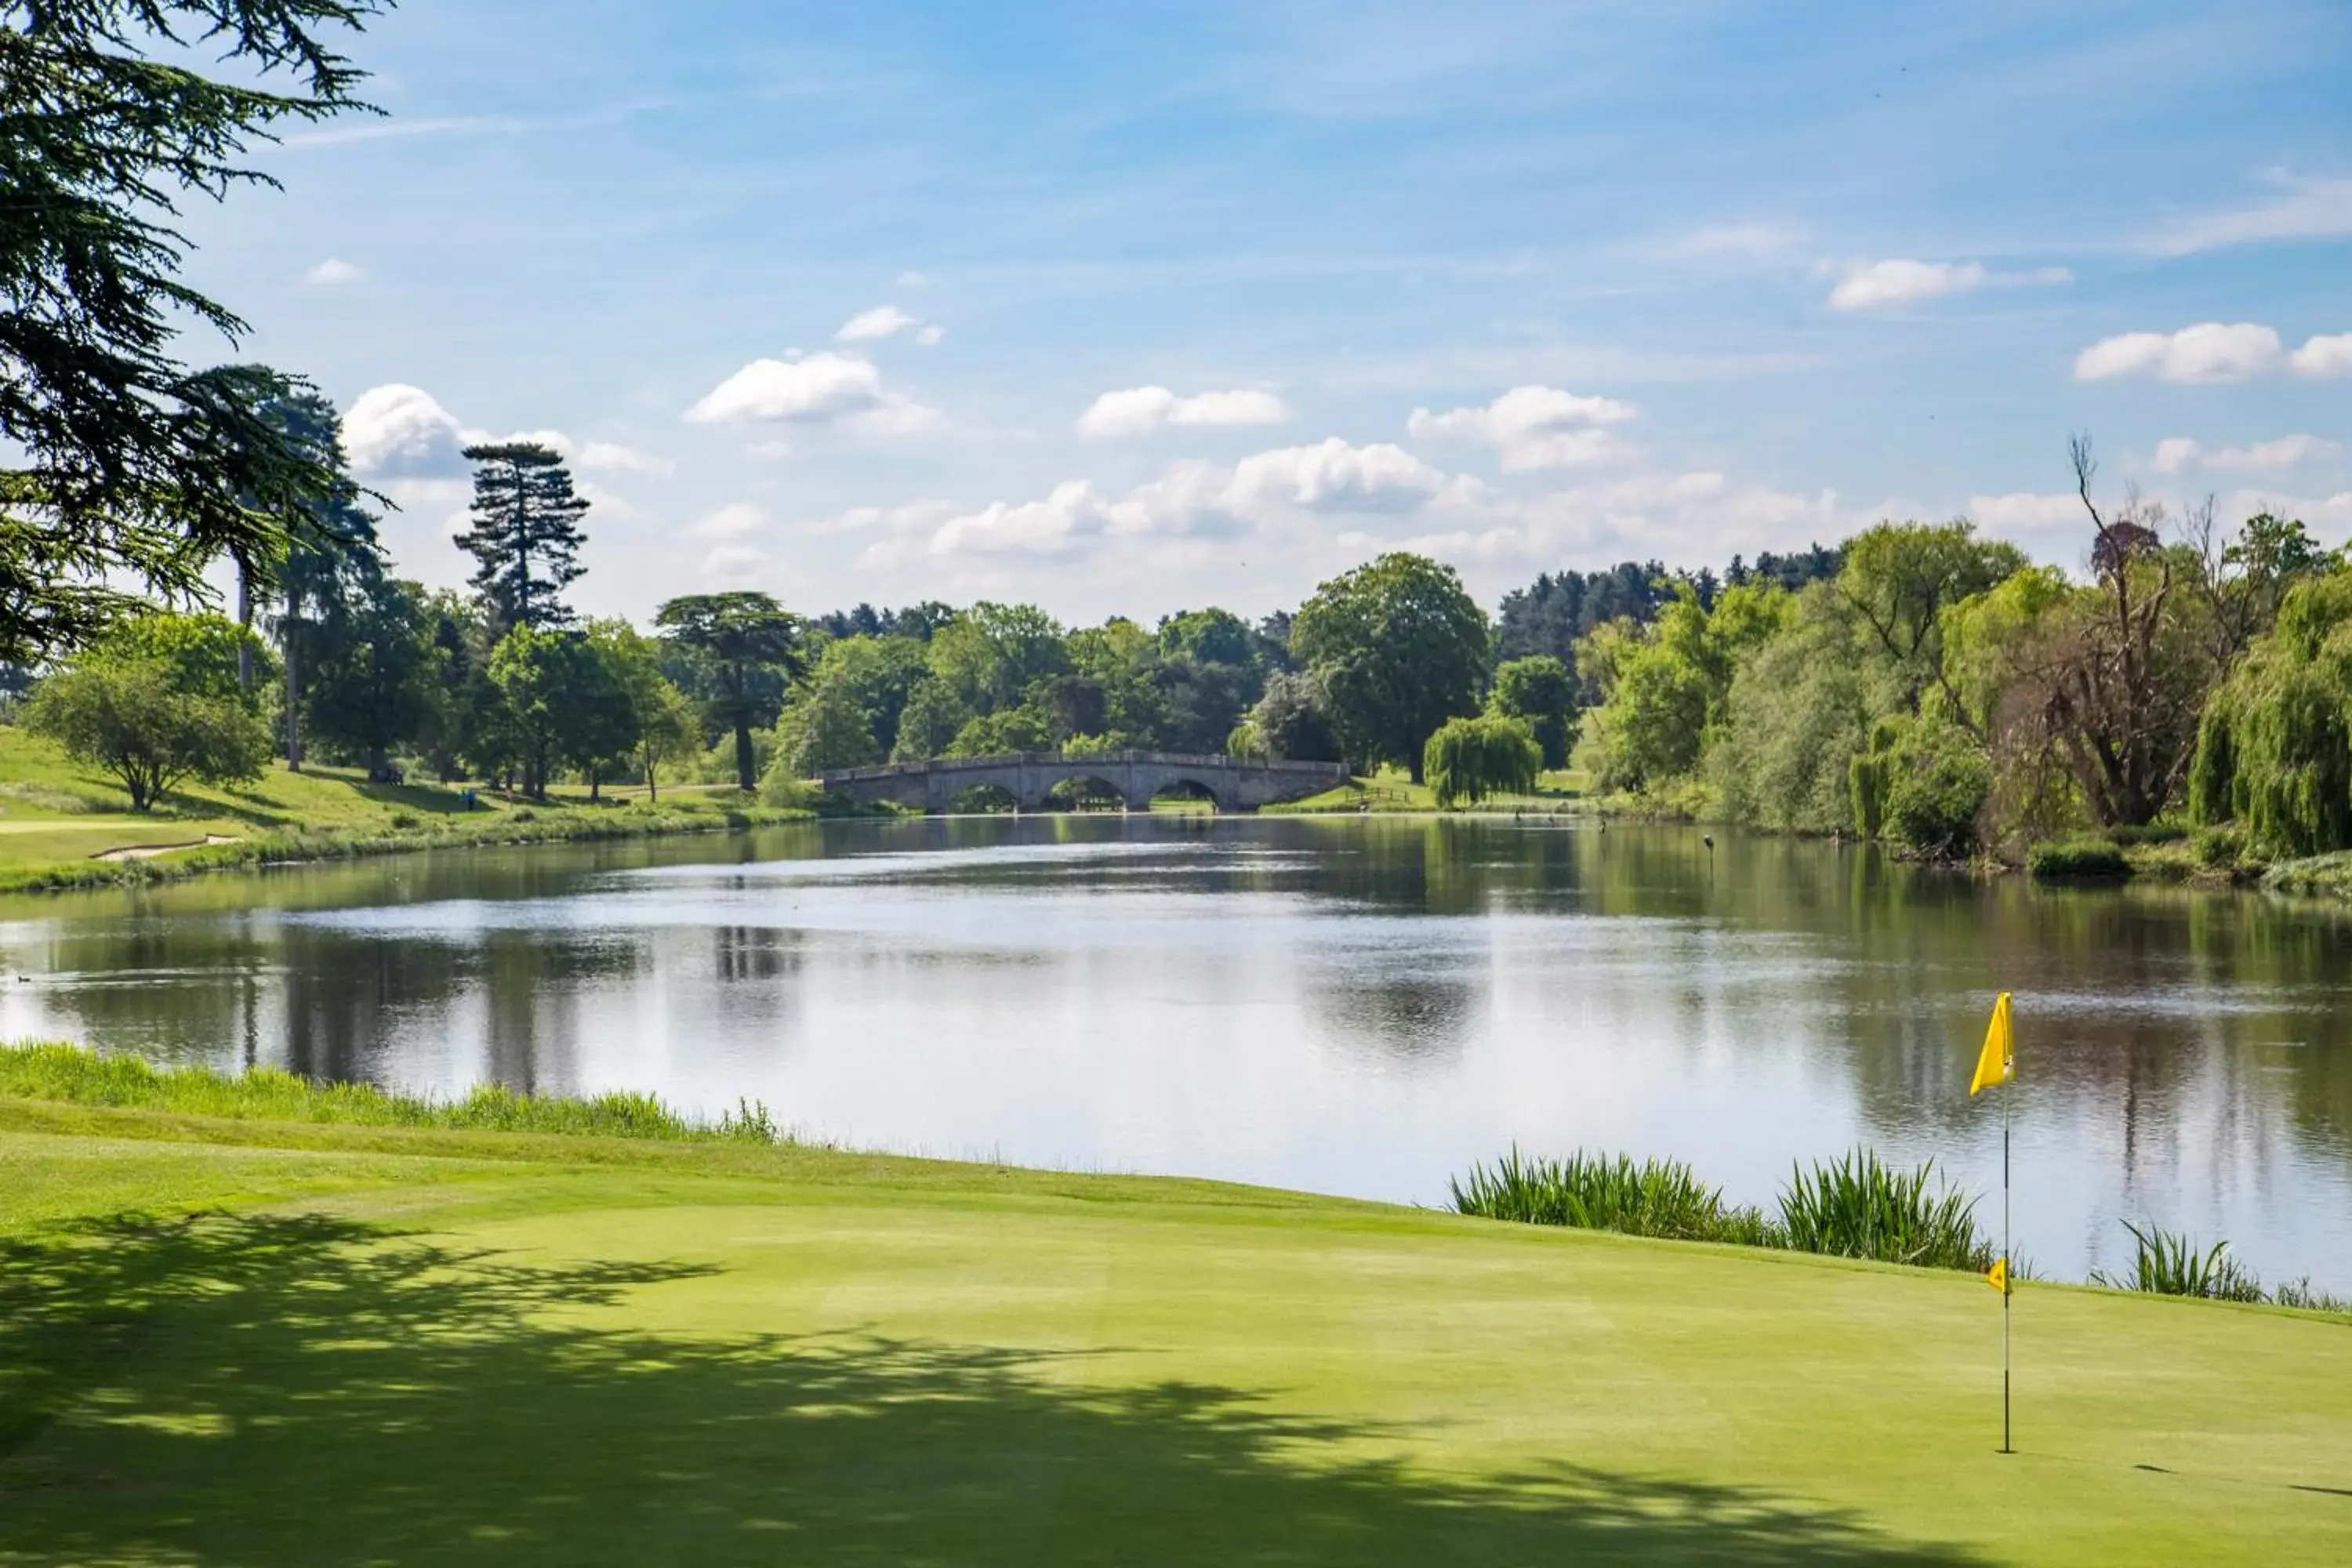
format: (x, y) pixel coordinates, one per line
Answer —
(1940, 779)
(2077, 859)
(2220, 846)
(2132, 837)
(132, 718)
(1470, 758)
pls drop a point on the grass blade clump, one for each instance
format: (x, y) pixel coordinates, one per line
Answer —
(2169, 1263)
(1597, 1192)
(1858, 1206)
(78, 1076)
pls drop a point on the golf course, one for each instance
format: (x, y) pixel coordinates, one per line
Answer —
(269, 1337)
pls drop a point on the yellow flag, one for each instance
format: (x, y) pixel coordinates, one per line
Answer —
(1997, 1059)
(1997, 1275)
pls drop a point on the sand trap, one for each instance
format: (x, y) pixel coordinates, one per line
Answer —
(142, 851)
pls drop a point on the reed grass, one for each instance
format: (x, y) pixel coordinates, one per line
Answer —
(1594, 1192)
(80, 1076)
(1857, 1206)
(2170, 1263)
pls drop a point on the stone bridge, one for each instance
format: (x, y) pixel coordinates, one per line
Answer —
(1233, 783)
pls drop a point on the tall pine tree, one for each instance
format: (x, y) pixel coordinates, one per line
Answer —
(526, 535)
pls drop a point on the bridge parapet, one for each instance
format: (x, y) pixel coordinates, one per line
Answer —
(1233, 783)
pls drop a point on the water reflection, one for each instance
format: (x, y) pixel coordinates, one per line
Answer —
(1355, 1005)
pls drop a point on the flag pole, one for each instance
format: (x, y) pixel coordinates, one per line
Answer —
(2007, 1089)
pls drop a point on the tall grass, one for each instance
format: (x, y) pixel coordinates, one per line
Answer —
(80, 1076)
(1854, 1207)
(1859, 1207)
(2169, 1263)
(1594, 1192)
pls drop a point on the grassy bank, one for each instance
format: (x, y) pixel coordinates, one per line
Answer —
(63, 826)
(1391, 790)
(238, 1339)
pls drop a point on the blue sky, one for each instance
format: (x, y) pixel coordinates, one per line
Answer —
(822, 299)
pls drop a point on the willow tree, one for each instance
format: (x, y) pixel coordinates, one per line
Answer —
(124, 471)
(2275, 750)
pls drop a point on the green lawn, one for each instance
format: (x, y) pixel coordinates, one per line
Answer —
(1391, 789)
(58, 818)
(330, 1343)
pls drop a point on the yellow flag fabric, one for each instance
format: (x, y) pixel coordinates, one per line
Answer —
(1997, 1275)
(1998, 1058)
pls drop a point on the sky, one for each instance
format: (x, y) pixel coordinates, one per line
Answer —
(1131, 308)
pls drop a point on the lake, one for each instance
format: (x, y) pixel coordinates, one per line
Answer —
(1358, 1005)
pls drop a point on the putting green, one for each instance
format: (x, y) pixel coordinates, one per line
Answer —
(387, 1346)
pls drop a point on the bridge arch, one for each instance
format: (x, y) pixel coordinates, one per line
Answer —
(1082, 791)
(1186, 788)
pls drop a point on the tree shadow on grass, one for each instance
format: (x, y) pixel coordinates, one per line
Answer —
(284, 1389)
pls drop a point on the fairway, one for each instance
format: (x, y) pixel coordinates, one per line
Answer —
(356, 1345)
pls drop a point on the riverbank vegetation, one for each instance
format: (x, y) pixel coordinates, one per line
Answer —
(1852, 1207)
(582, 1347)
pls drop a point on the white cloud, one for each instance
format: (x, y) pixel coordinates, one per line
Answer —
(2025, 512)
(1141, 410)
(611, 457)
(331, 272)
(1901, 281)
(820, 388)
(2210, 350)
(1749, 242)
(930, 336)
(2178, 454)
(734, 562)
(2304, 208)
(1071, 515)
(733, 521)
(1277, 492)
(881, 321)
(2214, 351)
(2325, 358)
(768, 451)
(398, 431)
(1533, 427)
(1334, 476)
(911, 279)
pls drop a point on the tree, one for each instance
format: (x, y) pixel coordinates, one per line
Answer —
(2116, 686)
(562, 702)
(1470, 758)
(751, 645)
(525, 539)
(1291, 722)
(826, 729)
(597, 726)
(929, 722)
(991, 654)
(2274, 749)
(374, 680)
(1664, 688)
(1398, 646)
(123, 467)
(880, 674)
(1898, 580)
(333, 560)
(152, 717)
(669, 725)
(1539, 690)
(1209, 636)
